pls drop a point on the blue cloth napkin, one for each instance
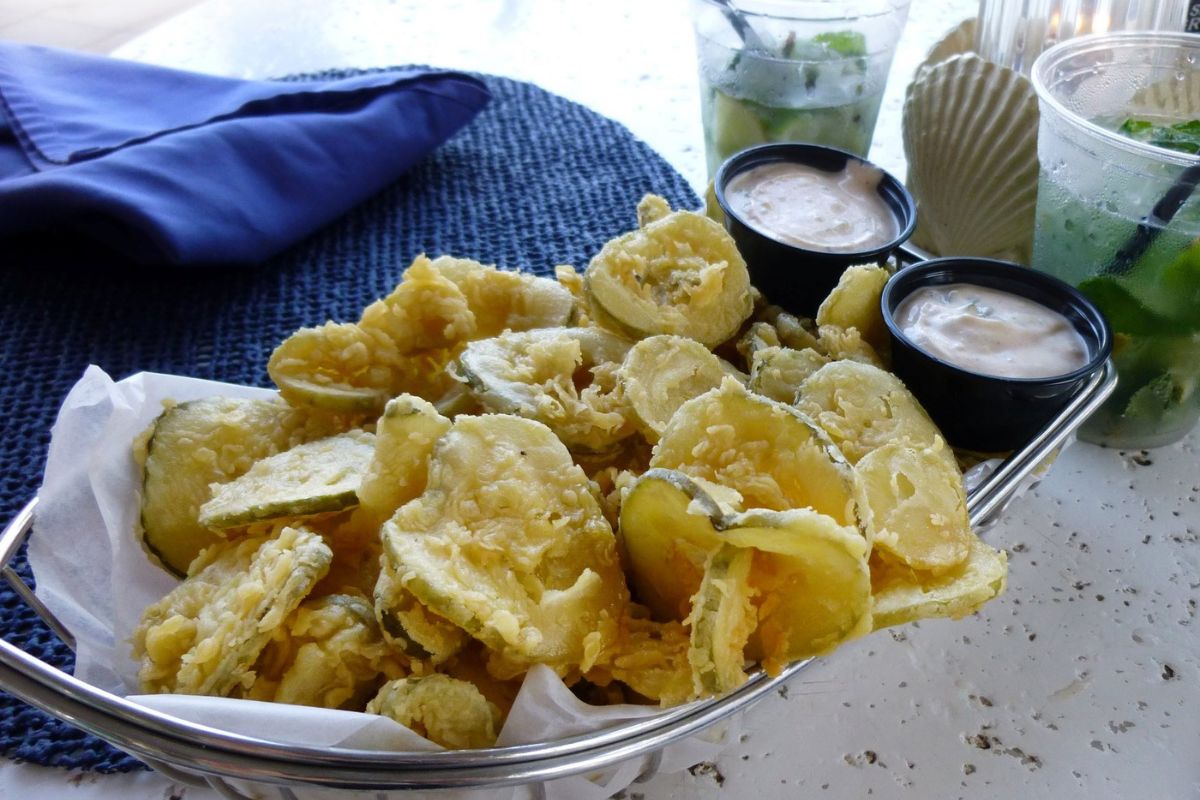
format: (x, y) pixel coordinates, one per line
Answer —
(171, 167)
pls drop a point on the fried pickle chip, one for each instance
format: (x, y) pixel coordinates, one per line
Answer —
(411, 627)
(196, 444)
(345, 368)
(450, 712)
(680, 274)
(757, 336)
(506, 300)
(404, 439)
(847, 344)
(403, 341)
(863, 408)
(509, 543)
(205, 635)
(310, 478)
(668, 534)
(770, 453)
(354, 538)
(854, 303)
(902, 594)
(779, 372)
(651, 658)
(809, 579)
(914, 505)
(426, 311)
(722, 619)
(470, 665)
(791, 331)
(661, 373)
(564, 378)
(651, 208)
(331, 654)
(812, 586)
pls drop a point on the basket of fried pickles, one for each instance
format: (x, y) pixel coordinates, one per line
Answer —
(640, 476)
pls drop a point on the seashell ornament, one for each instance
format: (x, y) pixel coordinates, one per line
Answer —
(970, 137)
(961, 39)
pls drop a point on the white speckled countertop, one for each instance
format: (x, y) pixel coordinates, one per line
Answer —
(1083, 680)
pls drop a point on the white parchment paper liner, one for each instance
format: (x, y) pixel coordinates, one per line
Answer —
(94, 576)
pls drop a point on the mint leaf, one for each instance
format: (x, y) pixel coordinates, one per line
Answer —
(1155, 399)
(1125, 312)
(1182, 137)
(1135, 128)
(1180, 282)
(845, 43)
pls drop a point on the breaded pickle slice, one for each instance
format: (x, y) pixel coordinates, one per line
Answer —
(337, 366)
(915, 506)
(667, 527)
(722, 621)
(809, 579)
(213, 440)
(408, 625)
(863, 407)
(404, 439)
(310, 478)
(331, 655)
(811, 583)
(661, 373)
(651, 658)
(404, 340)
(564, 378)
(779, 372)
(680, 274)
(902, 594)
(507, 300)
(509, 543)
(205, 635)
(445, 710)
(854, 303)
(767, 451)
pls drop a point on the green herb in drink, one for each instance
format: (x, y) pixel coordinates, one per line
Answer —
(848, 44)
(1183, 137)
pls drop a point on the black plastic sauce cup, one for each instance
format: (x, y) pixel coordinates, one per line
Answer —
(982, 412)
(793, 277)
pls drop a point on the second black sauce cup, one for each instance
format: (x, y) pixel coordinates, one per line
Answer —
(981, 412)
(793, 277)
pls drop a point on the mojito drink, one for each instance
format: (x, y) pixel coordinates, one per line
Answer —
(1117, 216)
(811, 75)
(748, 98)
(1153, 306)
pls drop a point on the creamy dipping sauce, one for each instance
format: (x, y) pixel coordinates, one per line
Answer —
(991, 331)
(833, 212)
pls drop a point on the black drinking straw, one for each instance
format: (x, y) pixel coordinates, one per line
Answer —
(741, 26)
(1153, 223)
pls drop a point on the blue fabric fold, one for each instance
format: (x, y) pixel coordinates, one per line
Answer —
(170, 167)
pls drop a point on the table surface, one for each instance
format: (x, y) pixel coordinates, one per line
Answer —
(1082, 680)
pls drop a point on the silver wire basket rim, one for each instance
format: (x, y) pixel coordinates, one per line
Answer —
(157, 737)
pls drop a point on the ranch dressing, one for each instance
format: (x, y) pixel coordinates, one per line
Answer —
(832, 212)
(990, 331)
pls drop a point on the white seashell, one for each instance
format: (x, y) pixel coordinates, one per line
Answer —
(961, 39)
(970, 137)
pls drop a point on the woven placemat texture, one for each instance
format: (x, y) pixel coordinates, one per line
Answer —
(534, 181)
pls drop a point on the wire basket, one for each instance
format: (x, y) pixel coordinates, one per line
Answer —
(198, 755)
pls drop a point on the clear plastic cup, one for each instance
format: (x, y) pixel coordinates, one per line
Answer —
(1096, 187)
(807, 71)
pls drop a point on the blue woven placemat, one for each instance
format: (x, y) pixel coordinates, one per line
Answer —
(534, 181)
